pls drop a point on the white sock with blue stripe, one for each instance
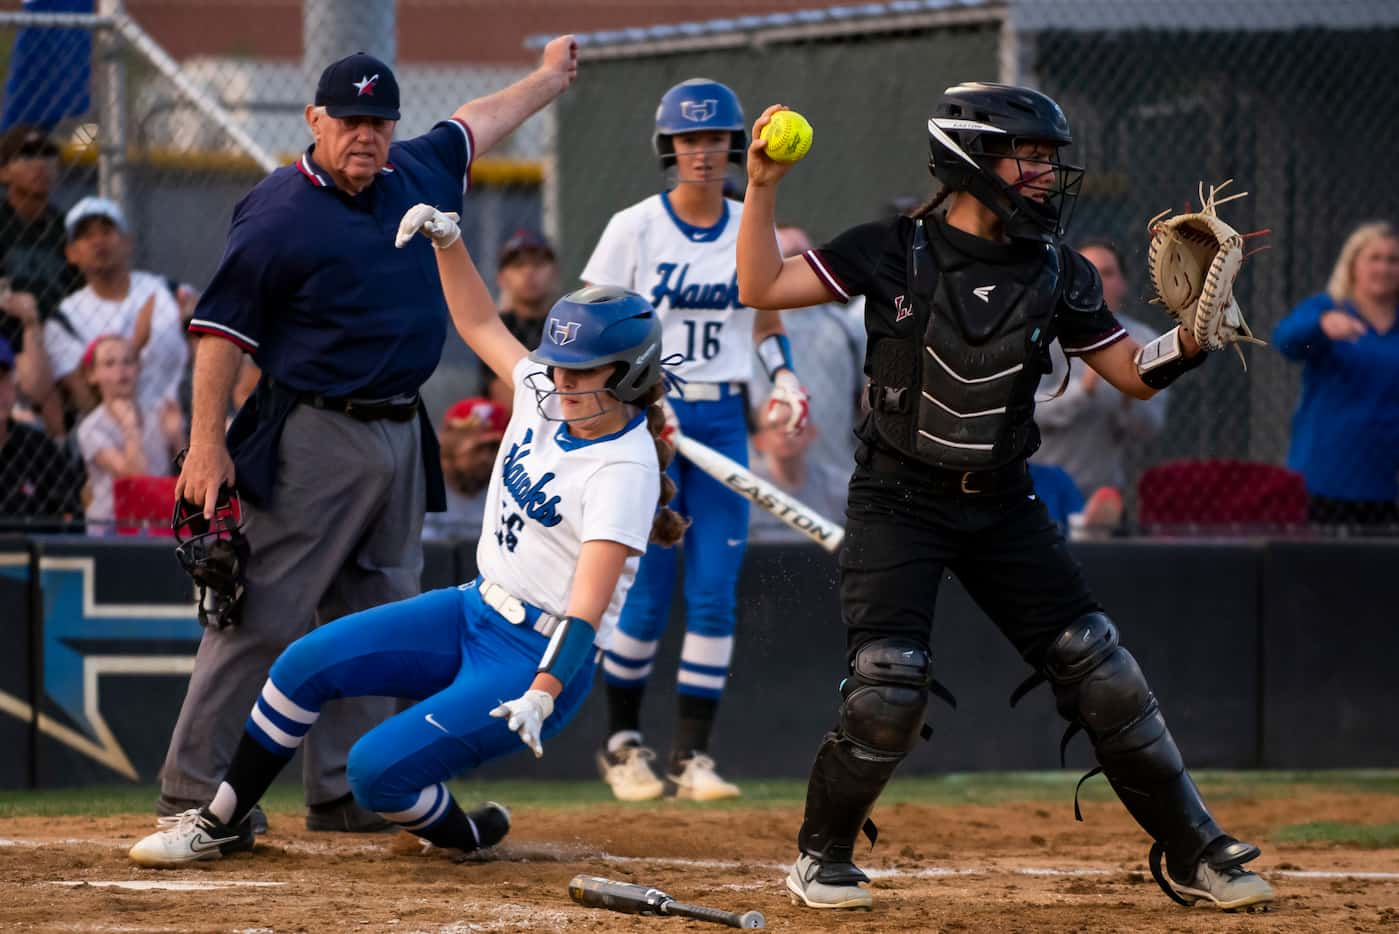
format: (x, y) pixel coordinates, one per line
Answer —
(628, 661)
(704, 664)
(278, 722)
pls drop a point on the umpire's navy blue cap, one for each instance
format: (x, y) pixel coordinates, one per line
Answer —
(358, 85)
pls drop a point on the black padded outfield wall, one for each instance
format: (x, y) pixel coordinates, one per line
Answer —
(1273, 655)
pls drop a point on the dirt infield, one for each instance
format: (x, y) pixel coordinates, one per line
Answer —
(1010, 867)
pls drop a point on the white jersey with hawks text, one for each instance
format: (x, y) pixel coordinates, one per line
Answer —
(551, 491)
(688, 273)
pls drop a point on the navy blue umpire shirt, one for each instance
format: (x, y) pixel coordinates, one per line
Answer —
(311, 286)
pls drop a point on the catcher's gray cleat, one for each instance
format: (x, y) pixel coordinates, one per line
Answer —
(837, 885)
(1219, 879)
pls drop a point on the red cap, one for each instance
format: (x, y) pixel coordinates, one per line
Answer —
(477, 411)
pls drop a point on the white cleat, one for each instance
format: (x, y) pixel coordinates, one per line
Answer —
(628, 771)
(845, 891)
(190, 837)
(1229, 889)
(698, 781)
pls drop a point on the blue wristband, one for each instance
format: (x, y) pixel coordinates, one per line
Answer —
(568, 649)
(775, 351)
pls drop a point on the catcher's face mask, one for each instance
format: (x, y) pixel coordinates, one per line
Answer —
(215, 553)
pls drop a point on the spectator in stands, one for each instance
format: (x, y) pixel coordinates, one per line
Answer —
(470, 438)
(116, 300)
(117, 438)
(1091, 428)
(1345, 435)
(786, 462)
(39, 484)
(1056, 489)
(527, 280)
(832, 337)
(32, 260)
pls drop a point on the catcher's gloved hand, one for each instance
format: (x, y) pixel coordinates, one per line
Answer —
(1194, 260)
(525, 715)
(441, 228)
(789, 398)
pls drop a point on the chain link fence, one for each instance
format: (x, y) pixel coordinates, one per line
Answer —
(1289, 99)
(93, 106)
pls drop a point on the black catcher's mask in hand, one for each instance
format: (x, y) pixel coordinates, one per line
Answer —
(215, 554)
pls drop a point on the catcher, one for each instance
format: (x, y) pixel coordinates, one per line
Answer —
(964, 298)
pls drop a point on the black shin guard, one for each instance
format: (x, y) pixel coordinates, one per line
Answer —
(250, 774)
(1098, 686)
(881, 718)
(840, 794)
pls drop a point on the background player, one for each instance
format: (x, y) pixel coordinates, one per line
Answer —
(962, 304)
(572, 505)
(677, 249)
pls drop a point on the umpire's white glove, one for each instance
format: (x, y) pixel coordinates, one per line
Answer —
(788, 392)
(438, 227)
(526, 715)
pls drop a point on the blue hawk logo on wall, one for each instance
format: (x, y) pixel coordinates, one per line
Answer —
(87, 639)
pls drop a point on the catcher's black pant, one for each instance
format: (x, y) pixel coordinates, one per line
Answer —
(902, 532)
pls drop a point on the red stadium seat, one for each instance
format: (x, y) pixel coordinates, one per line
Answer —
(143, 505)
(1221, 493)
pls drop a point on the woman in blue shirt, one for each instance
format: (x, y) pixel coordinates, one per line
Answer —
(1345, 435)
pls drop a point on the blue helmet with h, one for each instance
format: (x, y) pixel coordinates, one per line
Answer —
(603, 324)
(699, 105)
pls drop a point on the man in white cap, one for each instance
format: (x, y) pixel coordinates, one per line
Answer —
(116, 300)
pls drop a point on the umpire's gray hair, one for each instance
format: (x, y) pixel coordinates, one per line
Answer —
(1342, 284)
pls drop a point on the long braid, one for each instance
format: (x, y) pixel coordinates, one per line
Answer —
(932, 204)
(669, 526)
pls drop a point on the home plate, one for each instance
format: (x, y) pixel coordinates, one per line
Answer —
(142, 885)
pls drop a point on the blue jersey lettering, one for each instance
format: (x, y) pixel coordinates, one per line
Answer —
(714, 296)
(530, 494)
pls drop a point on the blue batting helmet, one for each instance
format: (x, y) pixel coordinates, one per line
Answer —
(696, 105)
(603, 324)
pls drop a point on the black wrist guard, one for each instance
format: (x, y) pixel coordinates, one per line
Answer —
(1163, 361)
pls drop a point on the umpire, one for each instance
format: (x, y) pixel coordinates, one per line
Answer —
(334, 456)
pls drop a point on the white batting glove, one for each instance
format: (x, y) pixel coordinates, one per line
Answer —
(789, 404)
(441, 228)
(525, 715)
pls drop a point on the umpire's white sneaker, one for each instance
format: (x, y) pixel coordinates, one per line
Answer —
(628, 771)
(807, 890)
(189, 837)
(695, 779)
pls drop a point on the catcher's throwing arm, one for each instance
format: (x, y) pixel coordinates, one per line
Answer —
(764, 495)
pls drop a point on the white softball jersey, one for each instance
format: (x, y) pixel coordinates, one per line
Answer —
(689, 275)
(551, 491)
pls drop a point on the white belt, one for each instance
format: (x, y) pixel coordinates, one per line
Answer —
(516, 611)
(704, 392)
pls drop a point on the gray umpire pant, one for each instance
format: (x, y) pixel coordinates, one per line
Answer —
(343, 534)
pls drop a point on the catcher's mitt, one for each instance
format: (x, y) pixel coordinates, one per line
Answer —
(1194, 259)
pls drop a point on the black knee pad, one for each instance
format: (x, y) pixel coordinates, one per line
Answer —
(1099, 686)
(885, 698)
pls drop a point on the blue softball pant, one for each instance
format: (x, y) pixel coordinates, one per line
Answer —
(447, 650)
(713, 553)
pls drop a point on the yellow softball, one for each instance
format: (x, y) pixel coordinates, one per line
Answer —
(788, 136)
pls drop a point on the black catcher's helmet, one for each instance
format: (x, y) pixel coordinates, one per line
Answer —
(977, 123)
(215, 553)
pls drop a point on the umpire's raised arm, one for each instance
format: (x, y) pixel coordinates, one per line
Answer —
(497, 115)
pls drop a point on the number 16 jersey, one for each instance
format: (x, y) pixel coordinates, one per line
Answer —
(689, 275)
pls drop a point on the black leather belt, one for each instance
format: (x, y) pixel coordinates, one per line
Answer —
(969, 482)
(361, 409)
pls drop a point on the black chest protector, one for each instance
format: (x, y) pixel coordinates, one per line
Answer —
(959, 392)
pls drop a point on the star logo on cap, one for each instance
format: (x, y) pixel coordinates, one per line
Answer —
(365, 86)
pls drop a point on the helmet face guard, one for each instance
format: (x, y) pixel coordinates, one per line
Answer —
(976, 125)
(214, 552)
